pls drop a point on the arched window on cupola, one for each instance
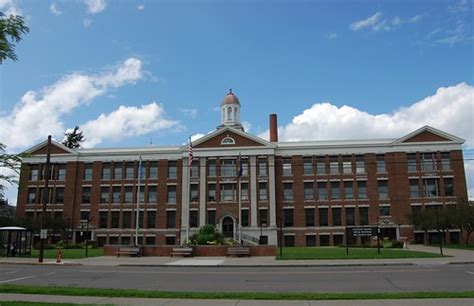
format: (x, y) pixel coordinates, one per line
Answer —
(229, 113)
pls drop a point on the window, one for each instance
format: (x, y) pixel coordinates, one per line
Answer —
(346, 165)
(170, 240)
(43, 171)
(360, 164)
(323, 240)
(338, 240)
(350, 216)
(334, 165)
(172, 169)
(211, 167)
(150, 240)
(115, 218)
(262, 216)
(322, 191)
(228, 167)
(211, 193)
(31, 196)
(287, 166)
(383, 190)
(262, 167)
(33, 173)
(309, 216)
(335, 191)
(310, 240)
(364, 215)
(151, 219)
(362, 190)
(411, 162)
(170, 219)
(384, 210)
(152, 195)
(88, 172)
(244, 192)
(193, 218)
(62, 172)
(287, 192)
(153, 170)
(60, 194)
(128, 195)
(171, 199)
(289, 240)
(194, 193)
(321, 166)
(262, 191)
(336, 217)
(129, 171)
(106, 171)
(431, 188)
(141, 196)
(116, 195)
(228, 140)
(245, 166)
(127, 219)
(428, 162)
(323, 216)
(381, 164)
(445, 161)
(228, 192)
(86, 195)
(103, 215)
(414, 189)
(195, 168)
(308, 166)
(448, 187)
(288, 217)
(348, 190)
(118, 171)
(308, 191)
(211, 217)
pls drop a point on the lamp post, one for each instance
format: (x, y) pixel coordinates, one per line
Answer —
(45, 199)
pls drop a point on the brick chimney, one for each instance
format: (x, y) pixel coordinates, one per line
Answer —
(273, 128)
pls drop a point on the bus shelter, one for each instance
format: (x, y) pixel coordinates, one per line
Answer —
(15, 241)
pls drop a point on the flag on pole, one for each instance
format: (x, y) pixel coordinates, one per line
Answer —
(140, 167)
(240, 169)
(190, 152)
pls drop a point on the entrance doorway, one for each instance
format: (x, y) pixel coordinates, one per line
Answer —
(228, 227)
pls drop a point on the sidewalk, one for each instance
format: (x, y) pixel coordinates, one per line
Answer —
(458, 256)
(188, 302)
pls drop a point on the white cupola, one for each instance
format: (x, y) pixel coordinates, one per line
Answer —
(230, 111)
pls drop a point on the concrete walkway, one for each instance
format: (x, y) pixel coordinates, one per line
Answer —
(457, 256)
(188, 302)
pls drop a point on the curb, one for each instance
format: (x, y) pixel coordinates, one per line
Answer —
(268, 266)
(42, 264)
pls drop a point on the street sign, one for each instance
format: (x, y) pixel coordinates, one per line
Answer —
(363, 231)
(44, 234)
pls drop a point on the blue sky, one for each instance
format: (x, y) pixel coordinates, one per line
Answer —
(131, 71)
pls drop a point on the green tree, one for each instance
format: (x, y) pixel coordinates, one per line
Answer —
(73, 139)
(11, 29)
(11, 162)
(465, 218)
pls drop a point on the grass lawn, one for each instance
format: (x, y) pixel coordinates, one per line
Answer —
(75, 291)
(354, 253)
(17, 303)
(70, 253)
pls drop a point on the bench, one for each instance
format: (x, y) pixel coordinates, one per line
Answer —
(131, 251)
(238, 251)
(181, 251)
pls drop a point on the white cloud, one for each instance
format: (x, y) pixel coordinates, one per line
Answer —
(247, 126)
(140, 7)
(196, 136)
(127, 122)
(450, 109)
(415, 18)
(54, 10)
(87, 22)
(9, 7)
(95, 6)
(459, 7)
(369, 22)
(189, 112)
(331, 36)
(40, 114)
(469, 167)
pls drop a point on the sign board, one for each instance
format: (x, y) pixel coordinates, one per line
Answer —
(44, 234)
(362, 231)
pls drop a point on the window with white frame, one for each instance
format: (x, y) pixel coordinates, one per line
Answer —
(228, 192)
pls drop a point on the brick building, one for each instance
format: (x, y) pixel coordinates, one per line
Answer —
(311, 189)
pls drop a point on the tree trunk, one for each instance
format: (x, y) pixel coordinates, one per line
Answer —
(467, 238)
(441, 241)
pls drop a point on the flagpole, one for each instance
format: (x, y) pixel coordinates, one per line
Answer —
(137, 214)
(190, 162)
(239, 174)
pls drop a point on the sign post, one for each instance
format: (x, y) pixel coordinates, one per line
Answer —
(361, 231)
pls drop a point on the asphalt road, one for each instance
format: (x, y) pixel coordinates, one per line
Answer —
(240, 279)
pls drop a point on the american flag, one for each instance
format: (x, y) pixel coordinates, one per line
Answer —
(190, 152)
(240, 169)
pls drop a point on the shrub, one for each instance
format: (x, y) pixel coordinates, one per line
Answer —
(397, 244)
(207, 235)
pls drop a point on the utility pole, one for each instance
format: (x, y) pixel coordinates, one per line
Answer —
(45, 200)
